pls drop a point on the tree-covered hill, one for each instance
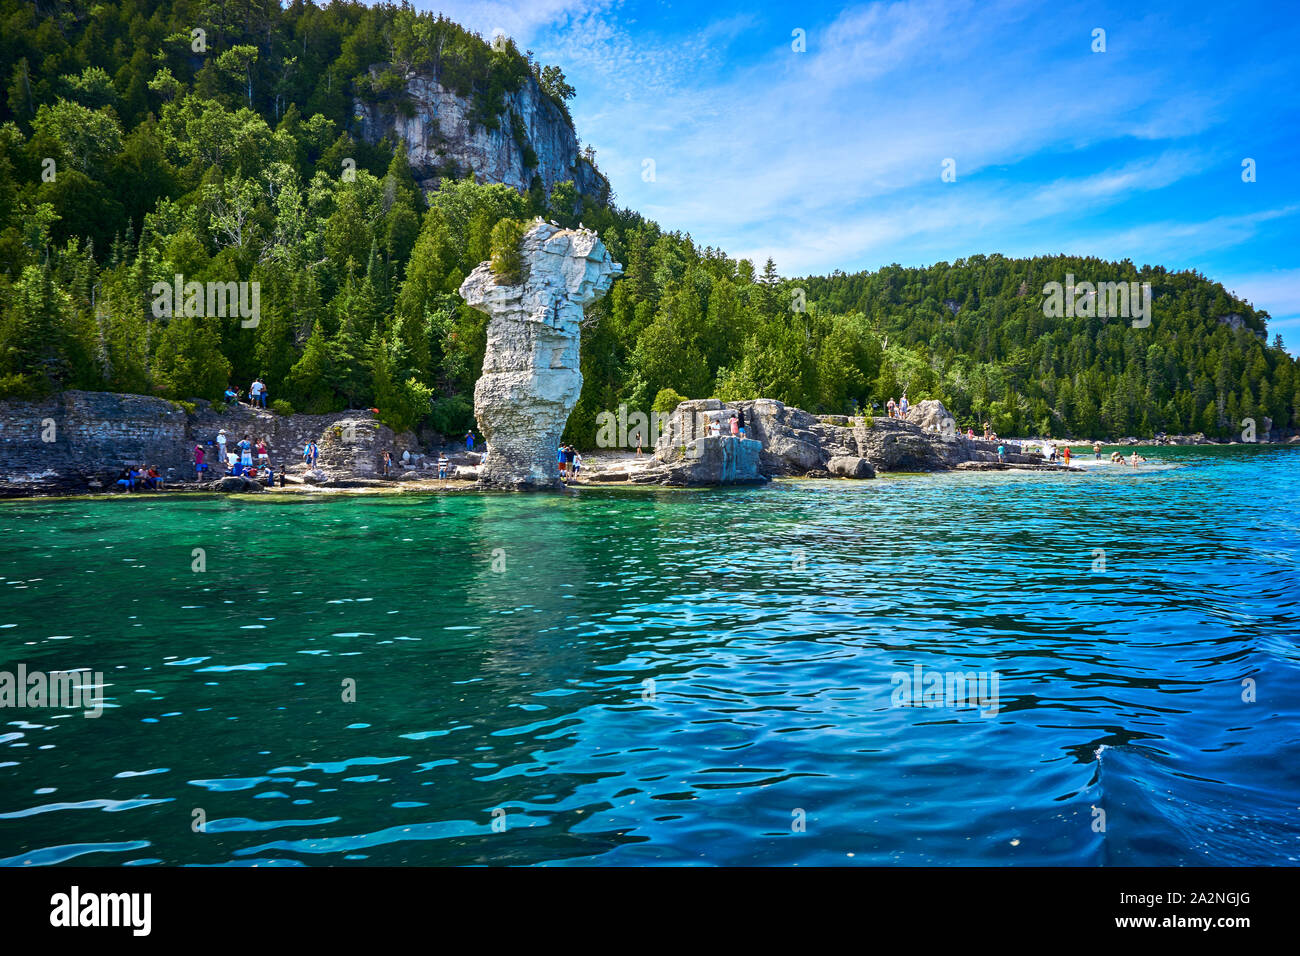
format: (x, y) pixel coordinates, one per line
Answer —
(1201, 364)
(128, 157)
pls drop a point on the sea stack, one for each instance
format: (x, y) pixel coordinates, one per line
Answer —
(531, 378)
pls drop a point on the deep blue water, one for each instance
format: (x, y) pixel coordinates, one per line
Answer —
(501, 646)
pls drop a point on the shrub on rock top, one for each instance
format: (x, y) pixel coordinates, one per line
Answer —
(507, 260)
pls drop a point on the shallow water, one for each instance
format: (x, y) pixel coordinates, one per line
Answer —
(652, 676)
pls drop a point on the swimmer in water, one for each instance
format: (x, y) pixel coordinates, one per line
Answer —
(1136, 459)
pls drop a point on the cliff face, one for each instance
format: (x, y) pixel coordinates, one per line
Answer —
(442, 139)
(58, 445)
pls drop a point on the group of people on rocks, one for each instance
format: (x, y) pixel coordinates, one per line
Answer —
(897, 409)
(1117, 458)
(713, 427)
(137, 477)
(257, 394)
(570, 462)
(237, 463)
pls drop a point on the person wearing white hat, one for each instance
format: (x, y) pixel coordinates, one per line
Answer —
(221, 448)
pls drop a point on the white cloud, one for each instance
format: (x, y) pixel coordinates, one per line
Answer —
(748, 158)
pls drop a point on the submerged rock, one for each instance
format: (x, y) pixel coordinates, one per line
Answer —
(530, 378)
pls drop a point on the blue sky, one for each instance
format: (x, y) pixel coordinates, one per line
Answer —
(832, 158)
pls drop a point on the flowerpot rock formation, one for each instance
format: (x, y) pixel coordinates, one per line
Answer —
(531, 379)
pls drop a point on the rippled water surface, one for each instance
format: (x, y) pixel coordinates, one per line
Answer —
(651, 676)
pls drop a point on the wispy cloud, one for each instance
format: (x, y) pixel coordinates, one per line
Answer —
(831, 158)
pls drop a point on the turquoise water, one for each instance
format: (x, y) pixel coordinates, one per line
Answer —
(501, 647)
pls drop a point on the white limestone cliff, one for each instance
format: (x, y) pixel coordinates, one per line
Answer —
(444, 139)
(531, 379)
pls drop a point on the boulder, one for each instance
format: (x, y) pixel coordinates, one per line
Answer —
(932, 417)
(721, 460)
(235, 484)
(849, 466)
(531, 379)
(894, 445)
(788, 455)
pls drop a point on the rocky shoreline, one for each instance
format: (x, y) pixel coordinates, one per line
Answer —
(782, 441)
(76, 442)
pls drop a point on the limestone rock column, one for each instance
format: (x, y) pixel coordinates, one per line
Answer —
(531, 379)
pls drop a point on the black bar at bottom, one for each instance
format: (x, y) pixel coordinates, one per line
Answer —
(211, 906)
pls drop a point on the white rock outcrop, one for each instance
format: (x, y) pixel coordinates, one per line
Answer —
(531, 379)
(444, 137)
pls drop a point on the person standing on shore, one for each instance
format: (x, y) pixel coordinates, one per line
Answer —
(1066, 455)
(902, 406)
(442, 464)
(388, 463)
(469, 440)
(199, 466)
(245, 452)
(221, 449)
(735, 426)
(263, 457)
(1002, 454)
(740, 422)
(890, 406)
